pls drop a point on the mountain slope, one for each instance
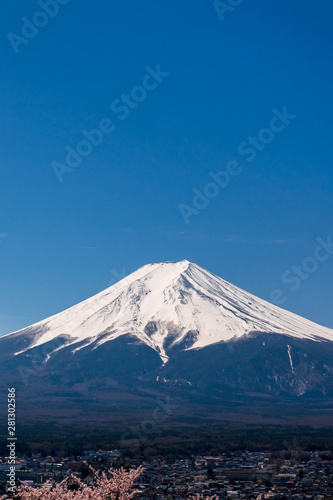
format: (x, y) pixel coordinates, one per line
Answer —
(172, 330)
(161, 303)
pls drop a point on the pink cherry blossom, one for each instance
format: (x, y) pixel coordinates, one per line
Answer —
(118, 486)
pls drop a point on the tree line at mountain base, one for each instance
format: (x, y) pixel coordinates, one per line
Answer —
(71, 441)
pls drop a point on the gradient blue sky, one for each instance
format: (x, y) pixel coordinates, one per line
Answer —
(118, 210)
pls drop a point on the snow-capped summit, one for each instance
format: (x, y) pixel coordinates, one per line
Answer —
(168, 304)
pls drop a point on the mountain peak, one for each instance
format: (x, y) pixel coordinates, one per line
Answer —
(176, 265)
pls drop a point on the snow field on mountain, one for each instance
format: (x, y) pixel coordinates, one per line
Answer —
(175, 298)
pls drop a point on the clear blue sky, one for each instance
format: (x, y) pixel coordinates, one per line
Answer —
(61, 242)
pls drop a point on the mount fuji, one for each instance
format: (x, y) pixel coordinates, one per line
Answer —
(170, 329)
